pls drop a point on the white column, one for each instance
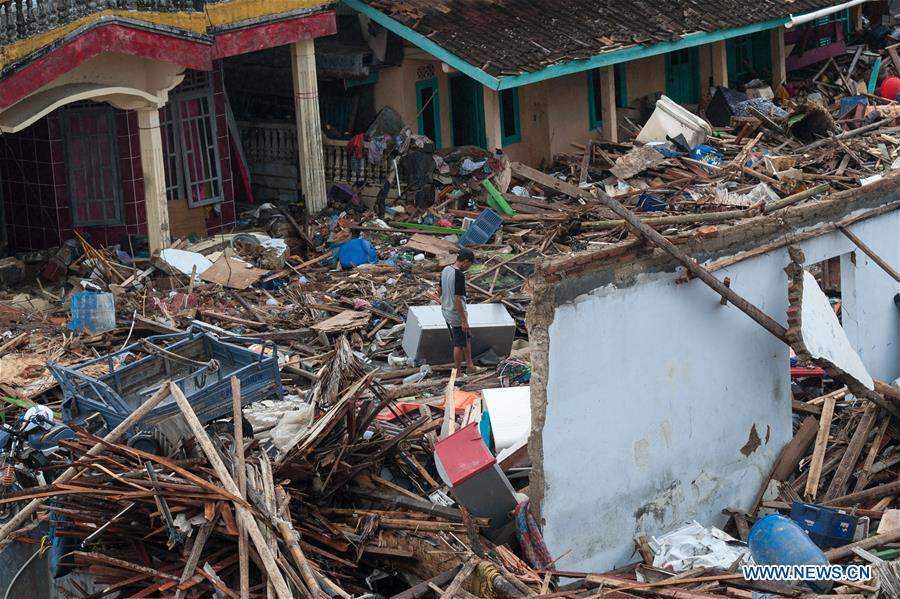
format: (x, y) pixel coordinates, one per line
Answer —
(608, 104)
(719, 64)
(153, 166)
(309, 125)
(493, 129)
(779, 69)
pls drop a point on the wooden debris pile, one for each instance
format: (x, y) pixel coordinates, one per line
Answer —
(322, 519)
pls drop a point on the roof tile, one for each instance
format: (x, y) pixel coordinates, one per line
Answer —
(512, 37)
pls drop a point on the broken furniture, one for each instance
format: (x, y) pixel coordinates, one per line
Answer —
(670, 120)
(475, 480)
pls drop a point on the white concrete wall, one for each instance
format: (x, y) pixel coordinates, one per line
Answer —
(656, 393)
(871, 320)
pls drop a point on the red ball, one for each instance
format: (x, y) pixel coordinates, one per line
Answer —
(890, 87)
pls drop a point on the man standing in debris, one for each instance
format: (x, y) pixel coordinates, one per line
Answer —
(453, 305)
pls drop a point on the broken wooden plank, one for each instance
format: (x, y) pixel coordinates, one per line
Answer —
(854, 449)
(818, 458)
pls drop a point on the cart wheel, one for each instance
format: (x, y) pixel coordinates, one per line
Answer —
(223, 431)
(8, 510)
(228, 427)
(145, 441)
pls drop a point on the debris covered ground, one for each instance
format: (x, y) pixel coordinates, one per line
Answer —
(334, 490)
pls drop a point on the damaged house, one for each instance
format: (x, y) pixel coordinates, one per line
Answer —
(655, 401)
(114, 119)
(537, 77)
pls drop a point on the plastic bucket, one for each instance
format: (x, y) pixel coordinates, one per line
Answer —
(92, 312)
(670, 119)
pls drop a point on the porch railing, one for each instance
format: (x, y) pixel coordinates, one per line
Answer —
(269, 142)
(271, 153)
(337, 165)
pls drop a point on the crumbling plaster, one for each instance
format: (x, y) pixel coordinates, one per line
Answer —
(654, 404)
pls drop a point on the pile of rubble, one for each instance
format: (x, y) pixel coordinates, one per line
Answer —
(339, 488)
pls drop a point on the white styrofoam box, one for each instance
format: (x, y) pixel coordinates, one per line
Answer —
(426, 336)
(670, 119)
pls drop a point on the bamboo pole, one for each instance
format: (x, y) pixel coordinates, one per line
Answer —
(654, 237)
(241, 468)
(870, 253)
(244, 515)
(711, 217)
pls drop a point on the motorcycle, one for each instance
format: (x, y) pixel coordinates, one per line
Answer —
(26, 446)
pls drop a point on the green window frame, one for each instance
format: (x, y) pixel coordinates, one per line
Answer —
(510, 125)
(842, 16)
(753, 48)
(422, 103)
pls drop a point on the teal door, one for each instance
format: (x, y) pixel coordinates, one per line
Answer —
(749, 56)
(429, 110)
(683, 76)
(467, 112)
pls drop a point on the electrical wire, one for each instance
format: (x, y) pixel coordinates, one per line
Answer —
(130, 331)
(19, 573)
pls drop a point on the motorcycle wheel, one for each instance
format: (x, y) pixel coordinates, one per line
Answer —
(8, 510)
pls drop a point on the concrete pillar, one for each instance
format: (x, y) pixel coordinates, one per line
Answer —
(779, 69)
(309, 125)
(153, 165)
(493, 127)
(719, 63)
(608, 104)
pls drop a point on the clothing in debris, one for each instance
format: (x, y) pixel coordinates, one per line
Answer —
(377, 147)
(355, 152)
(357, 251)
(469, 166)
(530, 538)
(420, 171)
(440, 165)
(453, 283)
(381, 198)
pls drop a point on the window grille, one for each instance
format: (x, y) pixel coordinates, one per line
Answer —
(190, 143)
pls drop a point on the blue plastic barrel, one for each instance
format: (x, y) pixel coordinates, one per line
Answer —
(776, 541)
(92, 312)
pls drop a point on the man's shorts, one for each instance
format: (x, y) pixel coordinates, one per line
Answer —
(459, 336)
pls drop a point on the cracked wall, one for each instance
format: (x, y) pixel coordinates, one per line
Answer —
(654, 405)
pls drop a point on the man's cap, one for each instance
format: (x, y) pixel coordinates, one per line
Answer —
(466, 254)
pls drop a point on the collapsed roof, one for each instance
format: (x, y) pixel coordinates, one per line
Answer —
(512, 37)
